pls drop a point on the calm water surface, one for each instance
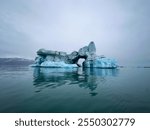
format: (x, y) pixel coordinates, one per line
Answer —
(26, 89)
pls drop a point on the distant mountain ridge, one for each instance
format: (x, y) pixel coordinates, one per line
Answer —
(15, 61)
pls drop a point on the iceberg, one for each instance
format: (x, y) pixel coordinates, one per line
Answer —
(100, 63)
(59, 59)
(61, 64)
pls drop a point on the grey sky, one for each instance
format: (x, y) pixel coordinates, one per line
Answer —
(119, 28)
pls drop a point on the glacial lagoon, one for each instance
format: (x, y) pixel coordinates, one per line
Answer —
(27, 89)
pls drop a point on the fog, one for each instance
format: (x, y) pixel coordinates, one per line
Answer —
(119, 28)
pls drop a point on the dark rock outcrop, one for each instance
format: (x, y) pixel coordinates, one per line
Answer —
(15, 62)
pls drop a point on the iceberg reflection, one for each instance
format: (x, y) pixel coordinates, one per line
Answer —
(59, 77)
(101, 72)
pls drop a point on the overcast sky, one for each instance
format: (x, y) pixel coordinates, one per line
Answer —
(119, 28)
